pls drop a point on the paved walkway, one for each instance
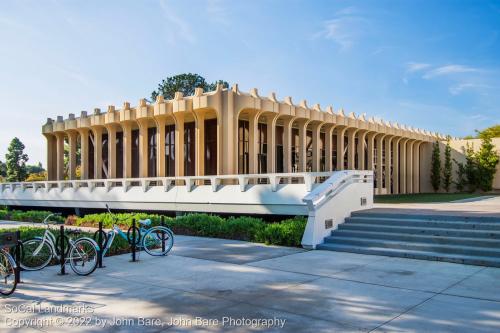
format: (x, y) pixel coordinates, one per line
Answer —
(220, 282)
(482, 206)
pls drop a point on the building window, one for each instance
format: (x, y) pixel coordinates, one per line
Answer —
(105, 156)
(91, 156)
(189, 149)
(119, 155)
(309, 151)
(295, 150)
(211, 147)
(243, 147)
(279, 149)
(322, 160)
(170, 150)
(152, 152)
(262, 154)
(135, 153)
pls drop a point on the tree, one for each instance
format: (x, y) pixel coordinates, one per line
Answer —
(34, 168)
(3, 169)
(447, 170)
(470, 168)
(461, 181)
(35, 177)
(487, 160)
(490, 132)
(436, 167)
(16, 161)
(185, 83)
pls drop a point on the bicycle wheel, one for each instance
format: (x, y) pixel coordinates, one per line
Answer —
(8, 281)
(36, 255)
(158, 241)
(83, 256)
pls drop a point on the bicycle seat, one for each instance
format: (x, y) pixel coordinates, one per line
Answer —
(74, 232)
(145, 222)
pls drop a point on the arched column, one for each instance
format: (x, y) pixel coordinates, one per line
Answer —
(380, 137)
(60, 155)
(340, 147)
(72, 143)
(302, 124)
(160, 123)
(111, 130)
(361, 149)
(351, 148)
(179, 144)
(329, 128)
(402, 166)
(316, 158)
(51, 156)
(388, 164)
(287, 144)
(127, 149)
(199, 143)
(395, 165)
(97, 132)
(416, 167)
(84, 152)
(409, 166)
(370, 150)
(271, 142)
(253, 132)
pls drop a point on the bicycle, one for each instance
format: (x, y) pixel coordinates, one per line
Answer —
(81, 253)
(8, 266)
(156, 241)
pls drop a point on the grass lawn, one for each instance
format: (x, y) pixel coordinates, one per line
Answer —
(424, 197)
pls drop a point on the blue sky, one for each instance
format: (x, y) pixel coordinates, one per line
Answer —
(428, 64)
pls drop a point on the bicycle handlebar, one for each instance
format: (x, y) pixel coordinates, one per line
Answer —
(45, 220)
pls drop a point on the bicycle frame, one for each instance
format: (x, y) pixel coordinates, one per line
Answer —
(117, 231)
(50, 239)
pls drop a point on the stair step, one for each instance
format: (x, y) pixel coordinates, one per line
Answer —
(417, 238)
(428, 217)
(438, 248)
(416, 222)
(412, 254)
(447, 232)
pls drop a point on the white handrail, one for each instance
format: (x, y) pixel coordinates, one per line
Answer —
(309, 178)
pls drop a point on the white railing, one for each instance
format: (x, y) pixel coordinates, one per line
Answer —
(335, 199)
(243, 180)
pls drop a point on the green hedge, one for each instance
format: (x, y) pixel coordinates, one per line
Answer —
(288, 232)
(28, 216)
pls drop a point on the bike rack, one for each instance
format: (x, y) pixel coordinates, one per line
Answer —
(100, 232)
(63, 253)
(132, 241)
(162, 222)
(8, 239)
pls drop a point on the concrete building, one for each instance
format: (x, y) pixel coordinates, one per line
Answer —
(227, 132)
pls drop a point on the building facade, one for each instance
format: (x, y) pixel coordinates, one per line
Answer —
(227, 131)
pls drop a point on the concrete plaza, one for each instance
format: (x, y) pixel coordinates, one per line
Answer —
(209, 285)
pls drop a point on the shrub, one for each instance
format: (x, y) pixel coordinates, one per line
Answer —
(124, 220)
(288, 232)
(28, 216)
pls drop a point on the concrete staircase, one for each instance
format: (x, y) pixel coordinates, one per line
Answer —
(458, 239)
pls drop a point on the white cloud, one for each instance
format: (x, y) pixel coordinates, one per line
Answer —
(345, 29)
(177, 27)
(449, 70)
(416, 66)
